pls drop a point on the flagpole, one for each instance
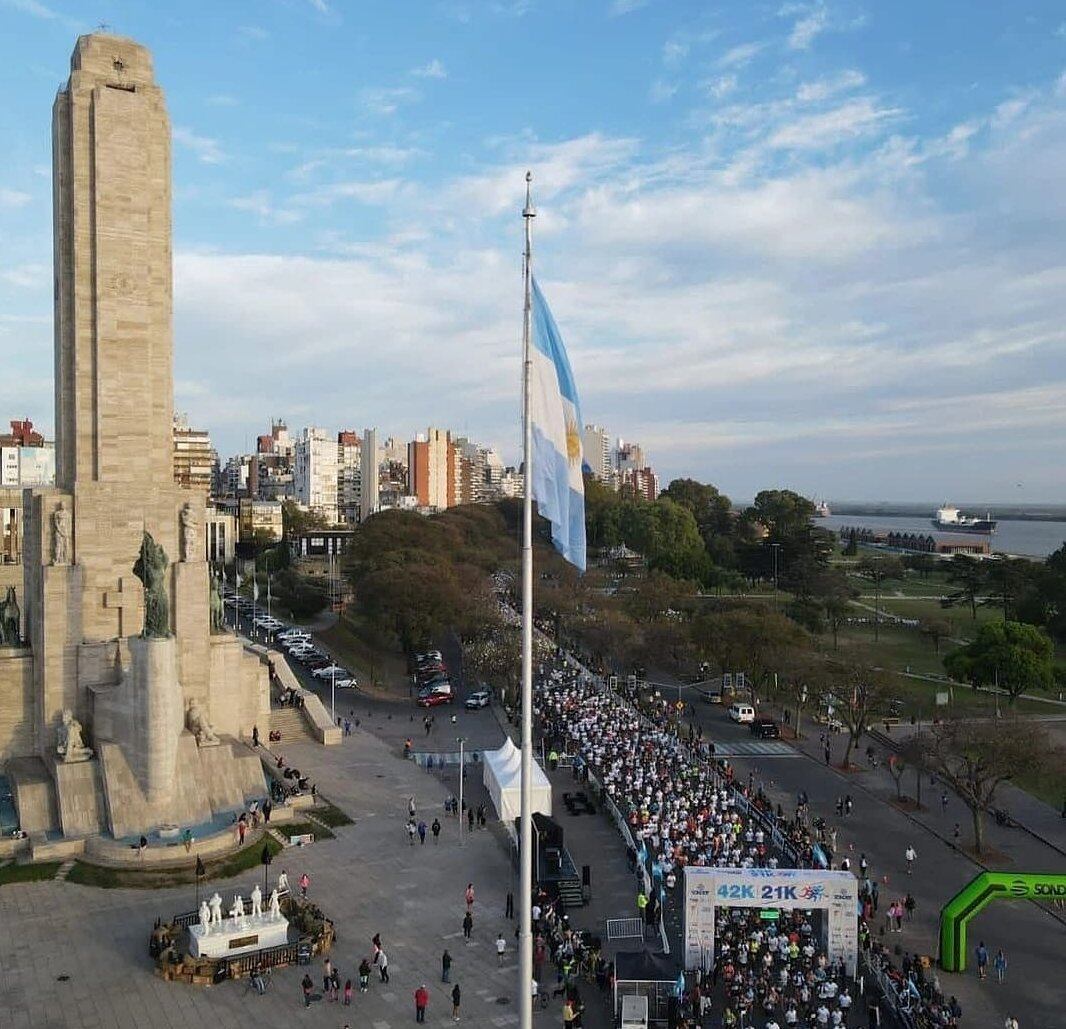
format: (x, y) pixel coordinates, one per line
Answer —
(525, 876)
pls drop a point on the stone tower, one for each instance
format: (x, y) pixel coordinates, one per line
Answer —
(114, 482)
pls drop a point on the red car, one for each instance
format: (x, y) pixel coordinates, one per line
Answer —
(434, 699)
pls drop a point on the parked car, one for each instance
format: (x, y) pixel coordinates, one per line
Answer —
(479, 699)
(312, 662)
(765, 728)
(433, 698)
(328, 671)
(347, 682)
(741, 712)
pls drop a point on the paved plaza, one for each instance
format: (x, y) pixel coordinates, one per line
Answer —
(368, 880)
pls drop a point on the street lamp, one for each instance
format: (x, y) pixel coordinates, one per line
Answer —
(461, 740)
(774, 548)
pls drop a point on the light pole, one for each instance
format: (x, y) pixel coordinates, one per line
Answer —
(333, 691)
(774, 548)
(461, 740)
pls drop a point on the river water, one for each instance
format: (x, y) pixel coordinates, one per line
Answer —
(1028, 539)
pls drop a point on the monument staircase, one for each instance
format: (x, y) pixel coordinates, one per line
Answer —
(290, 722)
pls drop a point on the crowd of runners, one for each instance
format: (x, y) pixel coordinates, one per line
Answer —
(684, 807)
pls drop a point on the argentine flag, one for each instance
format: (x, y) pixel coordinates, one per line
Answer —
(557, 485)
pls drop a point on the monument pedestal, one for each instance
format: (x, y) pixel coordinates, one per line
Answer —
(238, 936)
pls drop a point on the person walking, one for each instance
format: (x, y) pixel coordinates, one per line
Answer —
(849, 804)
(468, 926)
(435, 829)
(944, 802)
(981, 953)
(364, 975)
(909, 904)
(501, 947)
(305, 885)
(445, 966)
(456, 998)
(911, 855)
(410, 807)
(412, 831)
(509, 906)
(382, 961)
(421, 1000)
(347, 993)
(469, 896)
(308, 985)
(422, 833)
(999, 965)
(1010, 1023)
(828, 752)
(327, 976)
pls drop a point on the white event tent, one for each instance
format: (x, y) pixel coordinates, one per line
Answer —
(503, 780)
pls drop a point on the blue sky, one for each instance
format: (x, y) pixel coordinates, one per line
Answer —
(816, 245)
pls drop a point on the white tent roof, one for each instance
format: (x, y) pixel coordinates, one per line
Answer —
(503, 780)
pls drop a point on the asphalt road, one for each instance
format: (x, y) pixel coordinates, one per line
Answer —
(1034, 942)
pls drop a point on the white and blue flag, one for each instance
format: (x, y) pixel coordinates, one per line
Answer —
(557, 485)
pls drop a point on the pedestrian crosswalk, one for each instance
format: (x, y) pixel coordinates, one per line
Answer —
(755, 748)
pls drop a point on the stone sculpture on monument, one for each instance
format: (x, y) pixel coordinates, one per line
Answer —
(151, 569)
(199, 726)
(189, 534)
(9, 620)
(216, 909)
(257, 902)
(61, 535)
(218, 620)
(275, 906)
(205, 916)
(70, 745)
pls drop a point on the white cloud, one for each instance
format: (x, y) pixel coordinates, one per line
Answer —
(432, 70)
(812, 24)
(661, 91)
(740, 55)
(619, 7)
(321, 6)
(386, 99)
(722, 86)
(383, 154)
(38, 10)
(365, 192)
(28, 276)
(207, 150)
(823, 89)
(14, 197)
(850, 121)
(260, 204)
(674, 52)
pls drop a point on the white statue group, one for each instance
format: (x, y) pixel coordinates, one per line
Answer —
(211, 910)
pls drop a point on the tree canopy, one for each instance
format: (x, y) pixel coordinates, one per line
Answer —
(1016, 656)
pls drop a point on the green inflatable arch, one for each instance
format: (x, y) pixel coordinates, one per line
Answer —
(971, 899)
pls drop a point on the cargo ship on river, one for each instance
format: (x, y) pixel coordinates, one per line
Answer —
(951, 519)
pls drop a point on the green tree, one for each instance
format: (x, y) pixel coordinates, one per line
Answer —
(936, 629)
(880, 570)
(1008, 578)
(294, 520)
(969, 579)
(976, 757)
(859, 693)
(1043, 601)
(1016, 656)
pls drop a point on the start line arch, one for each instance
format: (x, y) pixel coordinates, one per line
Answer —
(977, 895)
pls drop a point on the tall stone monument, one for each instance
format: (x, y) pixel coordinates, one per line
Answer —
(126, 684)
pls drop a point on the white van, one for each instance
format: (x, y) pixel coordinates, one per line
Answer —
(742, 713)
(634, 1012)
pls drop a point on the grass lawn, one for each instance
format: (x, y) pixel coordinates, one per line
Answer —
(349, 641)
(149, 879)
(1044, 785)
(28, 873)
(302, 828)
(332, 815)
